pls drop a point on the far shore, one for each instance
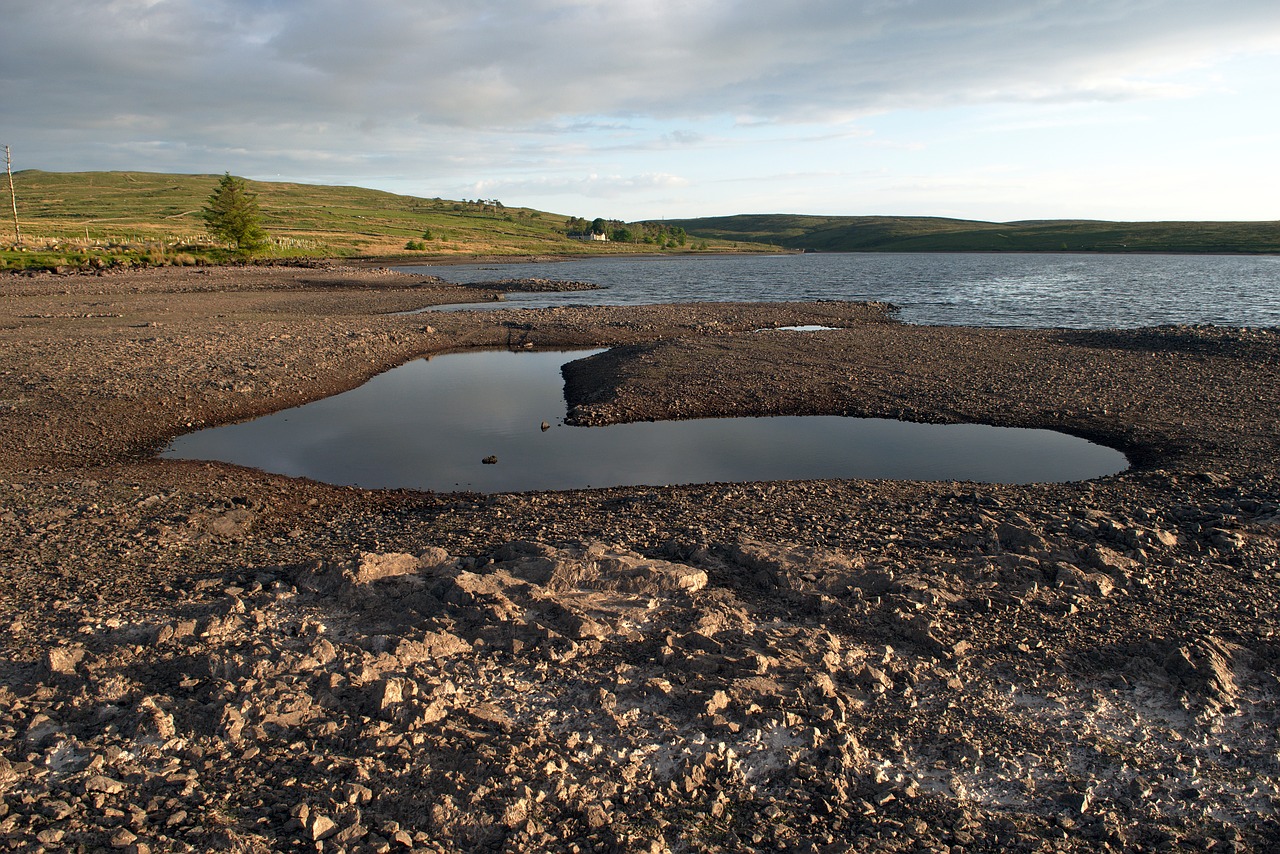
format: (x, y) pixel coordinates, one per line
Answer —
(481, 260)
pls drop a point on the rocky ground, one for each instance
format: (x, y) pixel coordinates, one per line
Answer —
(200, 657)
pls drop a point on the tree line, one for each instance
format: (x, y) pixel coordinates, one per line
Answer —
(652, 233)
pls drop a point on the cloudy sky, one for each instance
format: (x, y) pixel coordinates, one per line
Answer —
(633, 109)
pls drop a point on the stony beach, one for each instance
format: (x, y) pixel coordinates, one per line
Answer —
(202, 657)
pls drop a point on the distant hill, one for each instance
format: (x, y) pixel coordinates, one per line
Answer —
(937, 234)
(79, 218)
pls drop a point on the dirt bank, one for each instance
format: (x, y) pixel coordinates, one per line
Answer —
(199, 656)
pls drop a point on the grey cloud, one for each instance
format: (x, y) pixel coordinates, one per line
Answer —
(332, 75)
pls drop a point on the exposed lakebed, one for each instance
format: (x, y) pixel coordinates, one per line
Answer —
(430, 424)
(977, 662)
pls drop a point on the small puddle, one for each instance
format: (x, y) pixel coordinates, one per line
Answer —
(429, 425)
(806, 328)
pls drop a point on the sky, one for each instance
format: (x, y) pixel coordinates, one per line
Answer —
(995, 110)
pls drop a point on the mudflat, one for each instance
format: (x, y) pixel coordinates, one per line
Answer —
(201, 657)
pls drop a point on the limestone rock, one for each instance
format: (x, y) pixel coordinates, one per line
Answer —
(155, 720)
(1204, 669)
(101, 784)
(63, 660)
(373, 566)
(1020, 536)
(431, 646)
(320, 826)
(392, 692)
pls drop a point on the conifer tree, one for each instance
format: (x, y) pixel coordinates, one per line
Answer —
(232, 214)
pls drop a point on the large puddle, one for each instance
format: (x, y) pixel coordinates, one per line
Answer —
(430, 424)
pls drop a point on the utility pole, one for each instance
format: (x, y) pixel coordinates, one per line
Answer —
(13, 198)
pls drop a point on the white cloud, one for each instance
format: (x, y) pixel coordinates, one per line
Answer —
(589, 186)
(489, 90)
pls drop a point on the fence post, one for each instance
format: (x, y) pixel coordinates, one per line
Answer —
(13, 198)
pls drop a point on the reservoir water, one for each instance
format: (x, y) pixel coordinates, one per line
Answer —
(430, 424)
(966, 289)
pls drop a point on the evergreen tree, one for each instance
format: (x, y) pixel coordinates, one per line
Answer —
(232, 214)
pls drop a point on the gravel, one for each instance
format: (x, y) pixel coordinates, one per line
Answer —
(203, 657)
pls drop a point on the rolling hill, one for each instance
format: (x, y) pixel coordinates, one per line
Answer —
(937, 234)
(73, 218)
(78, 219)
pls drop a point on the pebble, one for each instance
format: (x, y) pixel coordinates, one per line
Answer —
(211, 658)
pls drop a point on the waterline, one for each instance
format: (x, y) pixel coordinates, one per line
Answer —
(431, 423)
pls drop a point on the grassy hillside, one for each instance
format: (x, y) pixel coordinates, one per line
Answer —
(120, 218)
(78, 218)
(934, 234)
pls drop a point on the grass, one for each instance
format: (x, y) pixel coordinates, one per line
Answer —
(936, 234)
(114, 219)
(100, 219)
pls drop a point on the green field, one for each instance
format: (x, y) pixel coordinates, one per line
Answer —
(96, 219)
(936, 234)
(77, 219)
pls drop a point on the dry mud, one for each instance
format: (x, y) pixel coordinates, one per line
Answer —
(200, 657)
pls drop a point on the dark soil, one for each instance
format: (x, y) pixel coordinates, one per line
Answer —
(202, 657)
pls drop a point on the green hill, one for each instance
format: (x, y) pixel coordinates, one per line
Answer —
(120, 218)
(936, 234)
(79, 218)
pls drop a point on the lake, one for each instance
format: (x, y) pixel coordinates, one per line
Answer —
(960, 289)
(429, 425)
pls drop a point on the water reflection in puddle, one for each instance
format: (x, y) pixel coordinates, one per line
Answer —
(806, 328)
(430, 423)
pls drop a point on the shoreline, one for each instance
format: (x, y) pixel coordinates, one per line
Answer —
(479, 261)
(203, 656)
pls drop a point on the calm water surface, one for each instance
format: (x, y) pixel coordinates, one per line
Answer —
(969, 289)
(430, 423)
